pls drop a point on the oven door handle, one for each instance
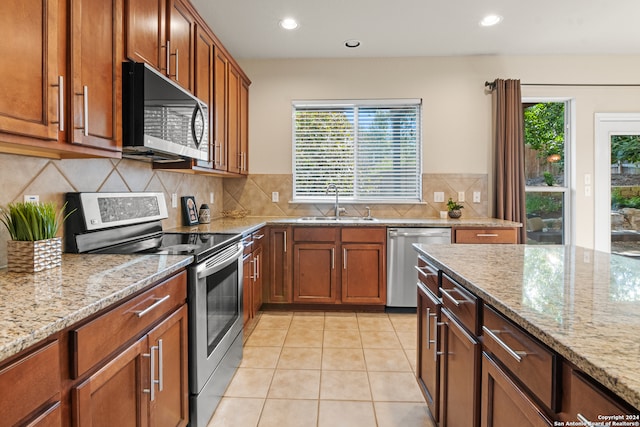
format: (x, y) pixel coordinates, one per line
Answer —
(208, 270)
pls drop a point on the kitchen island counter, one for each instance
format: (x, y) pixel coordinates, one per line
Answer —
(583, 304)
(36, 305)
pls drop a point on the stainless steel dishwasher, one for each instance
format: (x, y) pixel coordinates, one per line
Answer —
(402, 259)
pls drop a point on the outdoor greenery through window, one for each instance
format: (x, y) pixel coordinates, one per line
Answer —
(370, 150)
(547, 195)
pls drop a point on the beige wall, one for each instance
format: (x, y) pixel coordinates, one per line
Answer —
(457, 109)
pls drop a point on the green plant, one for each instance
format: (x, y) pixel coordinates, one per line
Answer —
(548, 178)
(618, 201)
(453, 206)
(33, 221)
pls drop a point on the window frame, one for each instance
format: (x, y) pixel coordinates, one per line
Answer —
(568, 190)
(357, 103)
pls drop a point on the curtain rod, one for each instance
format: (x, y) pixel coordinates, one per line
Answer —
(492, 85)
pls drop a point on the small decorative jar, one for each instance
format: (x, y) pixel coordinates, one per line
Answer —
(204, 214)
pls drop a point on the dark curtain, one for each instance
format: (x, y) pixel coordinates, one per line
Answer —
(509, 154)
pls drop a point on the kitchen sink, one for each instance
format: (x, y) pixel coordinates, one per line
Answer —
(343, 219)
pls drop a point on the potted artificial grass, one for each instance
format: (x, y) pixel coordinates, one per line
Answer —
(33, 228)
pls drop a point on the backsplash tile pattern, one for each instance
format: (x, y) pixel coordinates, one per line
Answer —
(254, 194)
(50, 179)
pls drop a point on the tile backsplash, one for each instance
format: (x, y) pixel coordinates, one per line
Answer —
(254, 194)
(50, 179)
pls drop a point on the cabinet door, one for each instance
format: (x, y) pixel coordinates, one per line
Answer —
(279, 286)
(233, 120)
(460, 375)
(314, 272)
(114, 395)
(428, 366)
(504, 404)
(256, 301)
(247, 289)
(145, 30)
(204, 52)
(221, 63)
(364, 273)
(170, 406)
(29, 68)
(244, 127)
(180, 36)
(96, 67)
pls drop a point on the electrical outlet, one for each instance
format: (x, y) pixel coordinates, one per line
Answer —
(438, 196)
(587, 191)
(174, 200)
(31, 198)
(476, 197)
(275, 196)
(461, 196)
(211, 197)
(587, 179)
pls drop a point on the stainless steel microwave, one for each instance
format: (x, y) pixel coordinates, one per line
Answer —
(161, 121)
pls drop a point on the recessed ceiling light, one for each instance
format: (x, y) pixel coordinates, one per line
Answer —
(490, 20)
(289, 24)
(352, 44)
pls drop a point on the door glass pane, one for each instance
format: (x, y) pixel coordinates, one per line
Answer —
(545, 172)
(625, 194)
(545, 217)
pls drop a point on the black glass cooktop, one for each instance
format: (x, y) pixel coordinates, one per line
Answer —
(200, 245)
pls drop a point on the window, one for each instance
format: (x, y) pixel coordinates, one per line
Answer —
(369, 149)
(546, 136)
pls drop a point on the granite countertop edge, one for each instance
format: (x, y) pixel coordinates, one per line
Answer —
(39, 320)
(630, 394)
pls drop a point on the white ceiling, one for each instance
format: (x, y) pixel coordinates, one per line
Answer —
(397, 28)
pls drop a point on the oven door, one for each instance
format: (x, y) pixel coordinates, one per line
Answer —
(215, 312)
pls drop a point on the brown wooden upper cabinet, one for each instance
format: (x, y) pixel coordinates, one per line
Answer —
(162, 34)
(48, 109)
(96, 57)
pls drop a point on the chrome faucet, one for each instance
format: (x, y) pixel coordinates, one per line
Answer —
(338, 210)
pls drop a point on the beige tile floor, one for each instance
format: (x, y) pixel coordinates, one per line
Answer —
(326, 370)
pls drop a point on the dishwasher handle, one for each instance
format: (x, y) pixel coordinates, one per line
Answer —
(395, 233)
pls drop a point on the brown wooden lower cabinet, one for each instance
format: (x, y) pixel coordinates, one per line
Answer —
(428, 358)
(145, 384)
(314, 273)
(481, 235)
(585, 402)
(460, 376)
(30, 388)
(278, 288)
(504, 404)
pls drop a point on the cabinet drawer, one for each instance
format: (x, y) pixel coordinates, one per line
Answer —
(530, 361)
(461, 303)
(315, 234)
(100, 337)
(247, 243)
(485, 235)
(29, 383)
(258, 237)
(584, 400)
(363, 234)
(427, 275)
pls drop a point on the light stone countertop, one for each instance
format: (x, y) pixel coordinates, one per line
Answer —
(252, 223)
(583, 304)
(37, 305)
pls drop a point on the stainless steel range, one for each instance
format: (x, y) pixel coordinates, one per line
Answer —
(131, 223)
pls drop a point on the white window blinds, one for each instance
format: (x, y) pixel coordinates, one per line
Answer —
(369, 150)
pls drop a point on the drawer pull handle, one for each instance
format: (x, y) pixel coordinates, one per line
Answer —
(258, 236)
(152, 378)
(446, 293)
(518, 355)
(424, 271)
(487, 235)
(152, 306)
